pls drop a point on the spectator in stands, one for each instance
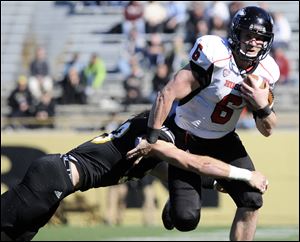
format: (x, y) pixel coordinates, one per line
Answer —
(217, 17)
(177, 58)
(136, 45)
(133, 17)
(75, 63)
(283, 63)
(21, 102)
(176, 16)
(94, 73)
(134, 50)
(39, 65)
(136, 42)
(40, 80)
(218, 26)
(73, 89)
(160, 79)
(125, 63)
(282, 31)
(217, 9)
(45, 112)
(155, 15)
(155, 50)
(201, 30)
(133, 86)
(195, 14)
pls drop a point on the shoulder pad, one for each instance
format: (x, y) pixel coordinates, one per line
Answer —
(271, 69)
(210, 49)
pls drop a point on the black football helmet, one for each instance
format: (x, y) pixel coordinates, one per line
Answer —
(254, 20)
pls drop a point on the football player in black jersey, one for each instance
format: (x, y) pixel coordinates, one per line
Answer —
(99, 162)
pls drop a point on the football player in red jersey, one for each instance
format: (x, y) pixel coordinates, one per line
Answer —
(212, 95)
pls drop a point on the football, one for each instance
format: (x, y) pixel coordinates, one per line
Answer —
(262, 83)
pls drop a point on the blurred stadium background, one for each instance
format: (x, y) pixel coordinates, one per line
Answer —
(63, 28)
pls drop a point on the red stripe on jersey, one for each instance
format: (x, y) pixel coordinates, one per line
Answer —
(222, 59)
(267, 71)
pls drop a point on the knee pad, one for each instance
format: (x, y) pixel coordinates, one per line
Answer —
(251, 200)
(186, 220)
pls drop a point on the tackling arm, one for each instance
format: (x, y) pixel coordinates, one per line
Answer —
(184, 160)
(206, 165)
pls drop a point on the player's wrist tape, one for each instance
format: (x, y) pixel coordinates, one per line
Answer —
(152, 135)
(240, 174)
(264, 112)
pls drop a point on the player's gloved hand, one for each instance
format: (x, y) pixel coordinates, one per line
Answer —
(142, 149)
(254, 94)
(259, 181)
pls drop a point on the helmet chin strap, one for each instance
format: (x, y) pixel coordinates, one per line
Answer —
(248, 47)
(250, 56)
(252, 62)
(244, 72)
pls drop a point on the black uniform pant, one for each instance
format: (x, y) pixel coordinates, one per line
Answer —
(28, 206)
(185, 187)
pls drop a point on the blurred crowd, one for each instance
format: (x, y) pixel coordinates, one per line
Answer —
(144, 27)
(145, 51)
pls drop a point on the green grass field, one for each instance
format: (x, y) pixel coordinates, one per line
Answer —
(138, 233)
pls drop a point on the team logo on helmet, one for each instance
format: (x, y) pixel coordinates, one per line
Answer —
(241, 12)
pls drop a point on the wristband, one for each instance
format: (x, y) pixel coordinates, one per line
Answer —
(240, 174)
(152, 135)
(264, 112)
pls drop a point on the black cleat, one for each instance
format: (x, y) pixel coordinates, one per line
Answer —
(167, 221)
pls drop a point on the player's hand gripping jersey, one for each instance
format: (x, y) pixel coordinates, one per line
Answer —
(219, 97)
(103, 159)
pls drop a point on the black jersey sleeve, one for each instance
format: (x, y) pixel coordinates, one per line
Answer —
(166, 135)
(147, 164)
(201, 75)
